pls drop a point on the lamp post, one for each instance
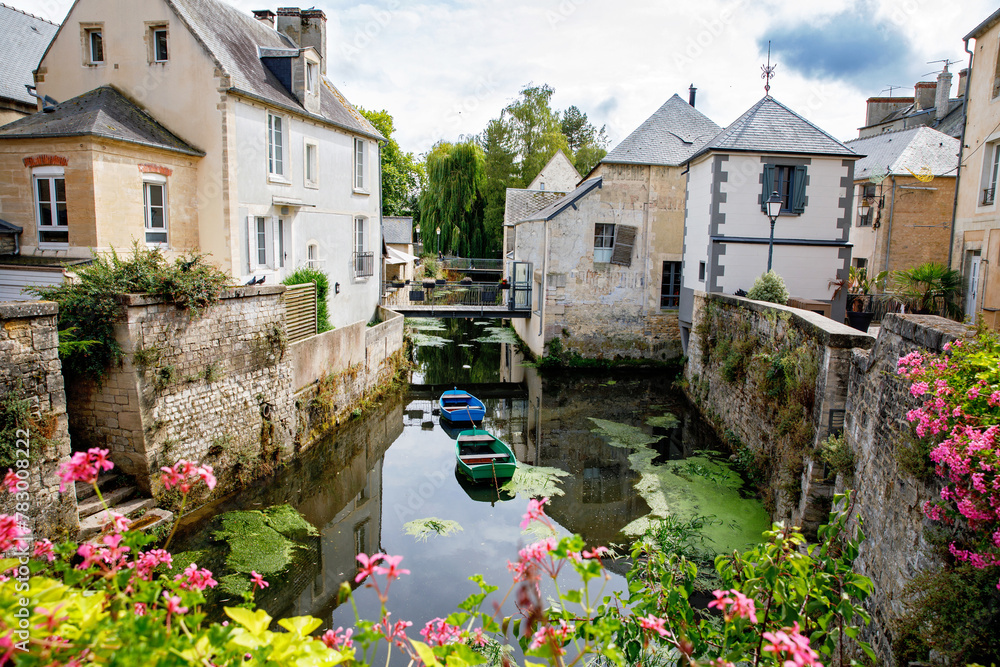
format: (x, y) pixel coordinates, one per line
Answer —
(439, 241)
(417, 232)
(773, 205)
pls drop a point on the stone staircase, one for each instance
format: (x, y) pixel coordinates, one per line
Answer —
(121, 497)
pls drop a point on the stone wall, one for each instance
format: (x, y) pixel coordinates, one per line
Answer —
(31, 371)
(214, 388)
(799, 489)
(887, 498)
(337, 370)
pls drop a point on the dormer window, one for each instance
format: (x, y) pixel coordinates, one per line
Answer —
(159, 42)
(312, 77)
(93, 44)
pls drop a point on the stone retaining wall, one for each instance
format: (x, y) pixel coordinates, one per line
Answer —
(31, 371)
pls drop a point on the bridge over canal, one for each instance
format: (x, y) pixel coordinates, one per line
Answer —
(458, 299)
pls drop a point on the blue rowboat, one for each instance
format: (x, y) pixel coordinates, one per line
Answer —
(461, 406)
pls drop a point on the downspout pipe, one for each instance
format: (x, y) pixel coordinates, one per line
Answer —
(961, 152)
(888, 235)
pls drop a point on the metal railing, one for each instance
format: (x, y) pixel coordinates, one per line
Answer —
(480, 295)
(472, 264)
(989, 196)
(364, 264)
(880, 304)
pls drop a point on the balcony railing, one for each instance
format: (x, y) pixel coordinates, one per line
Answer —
(480, 295)
(364, 264)
(989, 196)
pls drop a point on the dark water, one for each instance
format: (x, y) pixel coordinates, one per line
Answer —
(396, 464)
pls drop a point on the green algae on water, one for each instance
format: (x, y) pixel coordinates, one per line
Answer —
(424, 528)
(535, 481)
(667, 421)
(262, 542)
(494, 334)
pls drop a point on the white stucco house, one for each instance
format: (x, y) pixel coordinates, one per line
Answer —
(769, 148)
(280, 172)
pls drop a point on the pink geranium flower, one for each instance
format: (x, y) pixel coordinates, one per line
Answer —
(11, 480)
(535, 512)
(257, 580)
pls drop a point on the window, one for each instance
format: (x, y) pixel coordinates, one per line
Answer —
(604, 241)
(312, 77)
(364, 262)
(860, 263)
(312, 256)
(94, 45)
(866, 205)
(160, 53)
(992, 167)
(261, 232)
(670, 285)
(359, 234)
(790, 184)
(275, 146)
(50, 205)
(311, 170)
(154, 196)
(359, 164)
(281, 243)
(701, 271)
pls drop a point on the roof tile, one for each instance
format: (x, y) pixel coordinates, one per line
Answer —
(668, 137)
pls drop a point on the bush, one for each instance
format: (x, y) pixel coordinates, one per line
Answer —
(837, 454)
(308, 275)
(769, 287)
(92, 304)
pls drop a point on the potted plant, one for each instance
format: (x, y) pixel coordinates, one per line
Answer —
(931, 288)
(862, 287)
(504, 284)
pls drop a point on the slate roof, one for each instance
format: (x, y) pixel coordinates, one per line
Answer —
(668, 137)
(521, 203)
(771, 127)
(9, 228)
(951, 124)
(102, 112)
(23, 40)
(232, 37)
(906, 153)
(564, 202)
(397, 229)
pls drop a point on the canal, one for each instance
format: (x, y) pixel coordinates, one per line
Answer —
(612, 451)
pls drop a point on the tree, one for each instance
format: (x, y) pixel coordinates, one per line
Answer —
(401, 173)
(589, 145)
(501, 171)
(536, 130)
(452, 199)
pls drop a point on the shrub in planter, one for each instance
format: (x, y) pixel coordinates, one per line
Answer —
(769, 287)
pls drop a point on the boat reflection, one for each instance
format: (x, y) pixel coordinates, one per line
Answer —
(482, 492)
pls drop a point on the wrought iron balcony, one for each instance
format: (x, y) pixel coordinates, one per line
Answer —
(364, 264)
(989, 196)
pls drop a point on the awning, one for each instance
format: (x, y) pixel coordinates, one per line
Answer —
(285, 201)
(398, 256)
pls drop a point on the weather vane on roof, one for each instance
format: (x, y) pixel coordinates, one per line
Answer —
(768, 70)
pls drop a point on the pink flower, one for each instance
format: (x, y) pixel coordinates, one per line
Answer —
(43, 549)
(11, 533)
(555, 637)
(535, 512)
(791, 648)
(334, 638)
(737, 606)
(391, 572)
(117, 522)
(368, 565)
(173, 605)
(918, 388)
(257, 580)
(205, 473)
(139, 609)
(596, 553)
(395, 632)
(196, 579)
(438, 632)
(83, 467)
(11, 480)
(655, 624)
(149, 561)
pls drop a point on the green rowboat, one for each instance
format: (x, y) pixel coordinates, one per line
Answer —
(482, 456)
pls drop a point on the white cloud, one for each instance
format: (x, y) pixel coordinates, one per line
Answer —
(444, 68)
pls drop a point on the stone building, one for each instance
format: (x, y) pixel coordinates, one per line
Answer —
(397, 233)
(770, 148)
(905, 193)
(931, 106)
(23, 39)
(605, 259)
(975, 241)
(267, 167)
(558, 174)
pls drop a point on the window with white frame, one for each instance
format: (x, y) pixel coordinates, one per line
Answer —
(50, 205)
(604, 242)
(311, 169)
(359, 234)
(154, 201)
(364, 261)
(260, 236)
(312, 77)
(158, 42)
(990, 171)
(93, 44)
(275, 145)
(281, 242)
(359, 164)
(312, 255)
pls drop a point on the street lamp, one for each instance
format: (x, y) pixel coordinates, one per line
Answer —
(417, 231)
(773, 205)
(439, 241)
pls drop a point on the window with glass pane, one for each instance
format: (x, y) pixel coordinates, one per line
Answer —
(311, 163)
(359, 234)
(275, 162)
(281, 242)
(670, 285)
(311, 78)
(160, 45)
(50, 198)
(156, 212)
(261, 241)
(783, 177)
(604, 241)
(96, 46)
(359, 164)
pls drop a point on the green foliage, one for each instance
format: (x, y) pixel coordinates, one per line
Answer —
(91, 305)
(452, 199)
(424, 528)
(589, 145)
(305, 274)
(69, 344)
(769, 287)
(262, 541)
(401, 173)
(18, 422)
(837, 453)
(932, 288)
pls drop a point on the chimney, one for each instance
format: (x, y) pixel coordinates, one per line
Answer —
(942, 94)
(314, 33)
(923, 92)
(290, 23)
(880, 107)
(265, 16)
(692, 91)
(963, 80)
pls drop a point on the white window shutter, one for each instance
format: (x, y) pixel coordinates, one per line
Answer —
(272, 253)
(251, 245)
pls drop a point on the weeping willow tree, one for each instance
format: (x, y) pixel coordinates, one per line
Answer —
(452, 200)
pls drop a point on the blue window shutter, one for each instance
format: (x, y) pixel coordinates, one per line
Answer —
(799, 190)
(768, 186)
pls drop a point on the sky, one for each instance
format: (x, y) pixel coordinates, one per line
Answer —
(444, 68)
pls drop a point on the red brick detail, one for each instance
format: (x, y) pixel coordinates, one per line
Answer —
(155, 169)
(45, 161)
